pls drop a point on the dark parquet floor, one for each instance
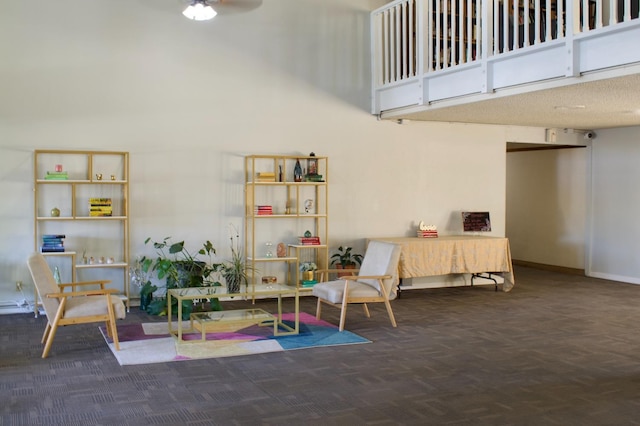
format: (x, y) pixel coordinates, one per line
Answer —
(557, 350)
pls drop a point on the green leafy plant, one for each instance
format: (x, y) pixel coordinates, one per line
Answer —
(180, 268)
(308, 266)
(345, 258)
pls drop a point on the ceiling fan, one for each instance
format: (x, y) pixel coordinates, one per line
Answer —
(203, 10)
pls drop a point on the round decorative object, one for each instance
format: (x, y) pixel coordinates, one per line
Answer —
(55, 212)
(308, 234)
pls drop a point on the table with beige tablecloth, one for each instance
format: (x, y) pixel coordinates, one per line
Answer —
(454, 254)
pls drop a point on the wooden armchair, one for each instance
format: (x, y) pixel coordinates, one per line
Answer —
(75, 306)
(375, 283)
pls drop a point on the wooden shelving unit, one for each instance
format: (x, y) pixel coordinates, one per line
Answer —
(98, 245)
(279, 210)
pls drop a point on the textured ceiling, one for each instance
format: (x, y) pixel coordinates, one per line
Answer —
(613, 102)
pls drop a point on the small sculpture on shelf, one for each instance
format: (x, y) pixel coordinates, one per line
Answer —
(308, 205)
(282, 250)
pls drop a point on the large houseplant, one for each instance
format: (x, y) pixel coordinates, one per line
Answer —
(345, 259)
(179, 268)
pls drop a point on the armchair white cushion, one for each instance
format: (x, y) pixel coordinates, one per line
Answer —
(376, 282)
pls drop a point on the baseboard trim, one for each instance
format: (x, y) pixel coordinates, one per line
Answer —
(553, 268)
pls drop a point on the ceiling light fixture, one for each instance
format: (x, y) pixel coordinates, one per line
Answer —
(199, 10)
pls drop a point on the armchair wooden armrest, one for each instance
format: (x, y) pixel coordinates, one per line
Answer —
(323, 274)
(365, 277)
(73, 286)
(96, 292)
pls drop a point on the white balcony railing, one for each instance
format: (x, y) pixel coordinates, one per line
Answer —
(411, 38)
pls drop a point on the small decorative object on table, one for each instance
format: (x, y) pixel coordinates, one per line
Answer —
(427, 231)
(55, 212)
(282, 250)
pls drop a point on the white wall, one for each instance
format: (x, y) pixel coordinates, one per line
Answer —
(547, 206)
(189, 99)
(615, 229)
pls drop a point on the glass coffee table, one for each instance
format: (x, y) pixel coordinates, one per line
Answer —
(204, 322)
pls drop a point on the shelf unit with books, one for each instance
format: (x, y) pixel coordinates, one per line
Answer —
(82, 197)
(286, 217)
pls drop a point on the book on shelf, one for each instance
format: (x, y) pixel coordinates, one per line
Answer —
(265, 177)
(263, 210)
(314, 178)
(56, 176)
(52, 243)
(44, 249)
(100, 207)
(309, 241)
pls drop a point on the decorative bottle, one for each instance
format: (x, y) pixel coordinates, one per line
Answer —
(56, 275)
(297, 172)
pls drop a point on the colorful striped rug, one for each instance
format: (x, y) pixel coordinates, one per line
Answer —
(148, 343)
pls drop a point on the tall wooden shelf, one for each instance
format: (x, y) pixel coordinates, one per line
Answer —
(270, 181)
(91, 174)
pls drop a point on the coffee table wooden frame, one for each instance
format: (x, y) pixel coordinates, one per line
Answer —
(273, 290)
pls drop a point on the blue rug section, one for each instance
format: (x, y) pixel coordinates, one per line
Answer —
(317, 335)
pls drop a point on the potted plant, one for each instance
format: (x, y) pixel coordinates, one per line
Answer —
(180, 268)
(344, 259)
(140, 278)
(235, 271)
(307, 269)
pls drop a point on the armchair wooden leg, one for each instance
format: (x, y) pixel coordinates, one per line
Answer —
(318, 309)
(112, 324)
(343, 313)
(47, 329)
(366, 310)
(47, 345)
(390, 312)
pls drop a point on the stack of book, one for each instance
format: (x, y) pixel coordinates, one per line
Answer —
(56, 176)
(314, 178)
(52, 243)
(309, 241)
(99, 207)
(265, 177)
(263, 210)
